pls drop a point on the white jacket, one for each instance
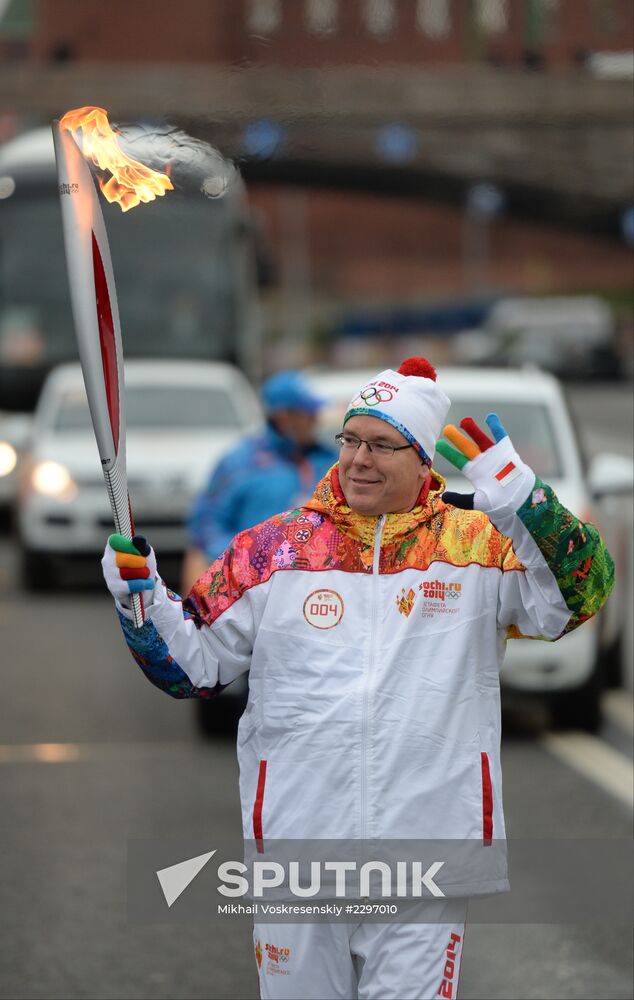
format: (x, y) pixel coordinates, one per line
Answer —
(373, 647)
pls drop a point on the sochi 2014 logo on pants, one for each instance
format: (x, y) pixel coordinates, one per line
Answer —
(323, 608)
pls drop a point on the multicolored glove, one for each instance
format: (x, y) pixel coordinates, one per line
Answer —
(499, 477)
(129, 567)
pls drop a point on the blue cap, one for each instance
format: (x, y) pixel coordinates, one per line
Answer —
(290, 391)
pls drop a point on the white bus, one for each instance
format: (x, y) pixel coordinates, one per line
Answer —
(184, 269)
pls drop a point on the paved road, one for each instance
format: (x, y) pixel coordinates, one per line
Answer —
(91, 757)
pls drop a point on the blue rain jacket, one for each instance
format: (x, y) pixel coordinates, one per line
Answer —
(264, 475)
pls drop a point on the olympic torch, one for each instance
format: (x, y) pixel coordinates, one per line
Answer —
(96, 315)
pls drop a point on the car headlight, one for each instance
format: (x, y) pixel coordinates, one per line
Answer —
(52, 479)
(8, 458)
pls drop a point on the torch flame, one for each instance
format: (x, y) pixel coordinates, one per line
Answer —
(130, 182)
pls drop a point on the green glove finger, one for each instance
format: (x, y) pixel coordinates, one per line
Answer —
(452, 454)
(121, 544)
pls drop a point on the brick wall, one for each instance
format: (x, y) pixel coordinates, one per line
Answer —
(279, 33)
(367, 248)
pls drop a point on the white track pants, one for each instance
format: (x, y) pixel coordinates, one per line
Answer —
(364, 961)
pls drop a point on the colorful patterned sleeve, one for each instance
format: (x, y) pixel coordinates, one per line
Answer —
(573, 551)
(196, 647)
(150, 651)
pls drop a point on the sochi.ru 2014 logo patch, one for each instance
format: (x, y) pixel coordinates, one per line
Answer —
(276, 959)
(438, 597)
(323, 608)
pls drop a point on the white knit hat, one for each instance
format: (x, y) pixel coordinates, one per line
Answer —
(409, 400)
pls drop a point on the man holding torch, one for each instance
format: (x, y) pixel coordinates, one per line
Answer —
(371, 716)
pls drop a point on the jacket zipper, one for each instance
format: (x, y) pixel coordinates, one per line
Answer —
(378, 531)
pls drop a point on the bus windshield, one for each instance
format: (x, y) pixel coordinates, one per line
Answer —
(173, 271)
(180, 273)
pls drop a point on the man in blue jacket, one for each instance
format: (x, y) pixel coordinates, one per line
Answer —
(274, 470)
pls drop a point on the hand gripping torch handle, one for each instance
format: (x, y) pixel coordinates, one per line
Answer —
(96, 317)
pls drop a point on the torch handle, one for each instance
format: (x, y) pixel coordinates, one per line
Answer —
(117, 486)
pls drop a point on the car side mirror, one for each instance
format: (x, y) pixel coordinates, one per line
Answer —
(611, 475)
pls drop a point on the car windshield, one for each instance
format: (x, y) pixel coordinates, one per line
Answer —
(529, 426)
(154, 407)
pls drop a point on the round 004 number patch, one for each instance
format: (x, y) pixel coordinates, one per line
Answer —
(323, 608)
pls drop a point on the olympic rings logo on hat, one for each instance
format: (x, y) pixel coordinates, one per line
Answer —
(371, 396)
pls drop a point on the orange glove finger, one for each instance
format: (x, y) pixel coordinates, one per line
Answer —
(127, 561)
(461, 442)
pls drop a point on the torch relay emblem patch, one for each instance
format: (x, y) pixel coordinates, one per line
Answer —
(405, 601)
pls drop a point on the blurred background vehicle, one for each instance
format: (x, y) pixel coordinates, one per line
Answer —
(572, 672)
(15, 429)
(181, 417)
(185, 272)
(572, 336)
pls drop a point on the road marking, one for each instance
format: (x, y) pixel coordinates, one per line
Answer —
(618, 707)
(596, 761)
(40, 753)
(69, 753)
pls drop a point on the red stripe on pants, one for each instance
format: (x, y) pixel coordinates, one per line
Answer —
(487, 800)
(257, 808)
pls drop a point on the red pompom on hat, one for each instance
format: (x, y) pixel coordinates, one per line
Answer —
(418, 366)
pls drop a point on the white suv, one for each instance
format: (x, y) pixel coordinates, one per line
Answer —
(181, 418)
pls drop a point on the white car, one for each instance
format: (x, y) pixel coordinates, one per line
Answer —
(531, 404)
(181, 418)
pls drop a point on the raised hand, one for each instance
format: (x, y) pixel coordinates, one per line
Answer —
(501, 480)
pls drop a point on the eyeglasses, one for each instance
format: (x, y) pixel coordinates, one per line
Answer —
(350, 442)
